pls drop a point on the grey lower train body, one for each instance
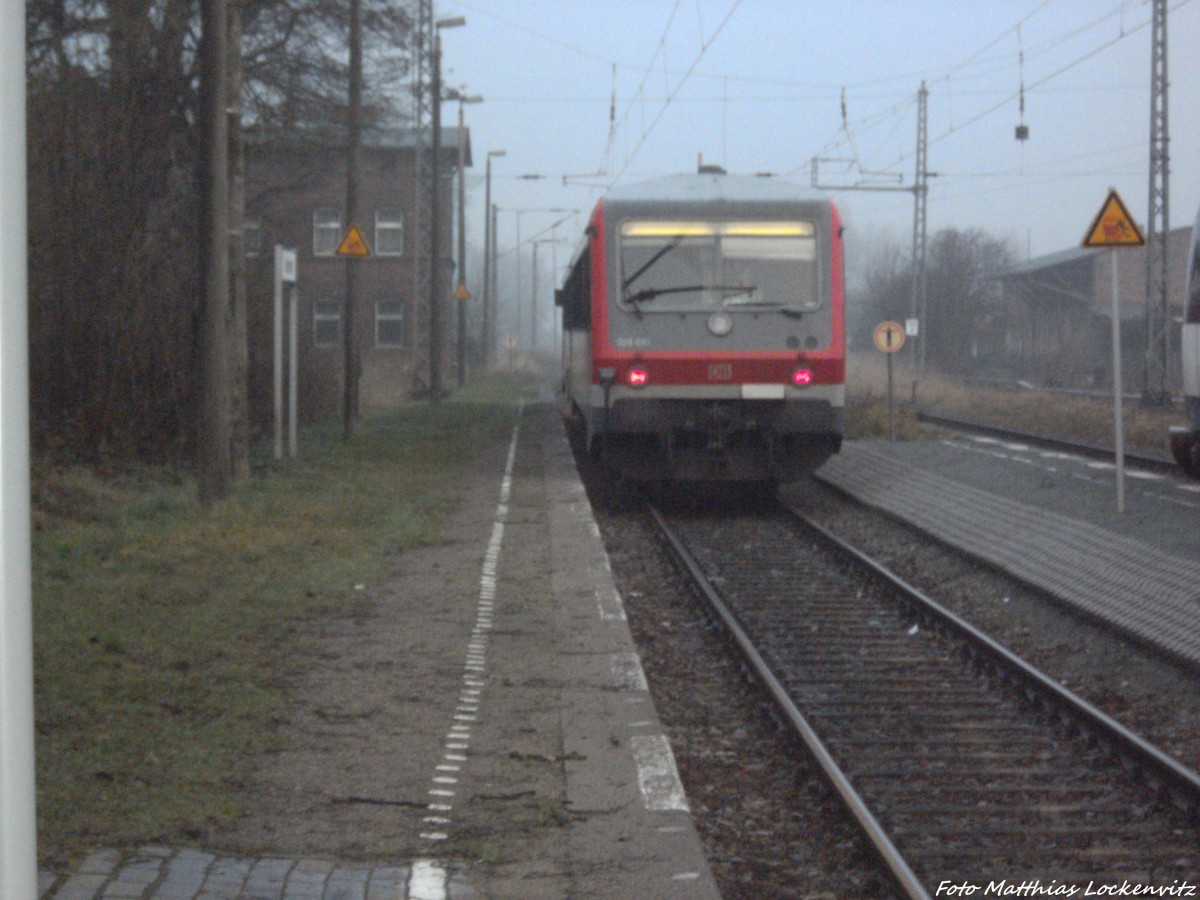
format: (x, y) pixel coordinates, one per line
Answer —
(715, 440)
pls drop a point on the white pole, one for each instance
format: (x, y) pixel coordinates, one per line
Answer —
(293, 371)
(18, 818)
(278, 351)
(1118, 386)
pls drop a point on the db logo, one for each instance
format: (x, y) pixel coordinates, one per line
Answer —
(720, 371)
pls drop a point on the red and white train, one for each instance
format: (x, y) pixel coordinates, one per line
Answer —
(704, 330)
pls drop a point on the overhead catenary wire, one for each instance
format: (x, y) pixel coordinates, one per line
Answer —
(705, 44)
(1008, 97)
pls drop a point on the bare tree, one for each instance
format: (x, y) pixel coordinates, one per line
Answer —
(114, 142)
(960, 268)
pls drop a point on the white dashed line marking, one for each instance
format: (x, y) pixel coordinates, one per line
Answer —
(429, 879)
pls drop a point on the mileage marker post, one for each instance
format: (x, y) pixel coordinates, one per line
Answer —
(889, 338)
(1114, 228)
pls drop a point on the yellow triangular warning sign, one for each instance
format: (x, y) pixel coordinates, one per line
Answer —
(353, 244)
(1114, 226)
(461, 293)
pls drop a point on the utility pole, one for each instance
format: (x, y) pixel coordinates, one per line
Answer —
(435, 196)
(1157, 385)
(213, 464)
(436, 339)
(239, 349)
(422, 59)
(460, 301)
(461, 295)
(533, 317)
(493, 297)
(350, 361)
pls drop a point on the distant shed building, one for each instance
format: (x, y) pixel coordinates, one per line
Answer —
(295, 196)
(1054, 320)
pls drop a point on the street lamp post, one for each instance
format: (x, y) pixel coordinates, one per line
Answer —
(488, 253)
(461, 294)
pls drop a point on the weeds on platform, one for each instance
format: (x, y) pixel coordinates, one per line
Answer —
(165, 631)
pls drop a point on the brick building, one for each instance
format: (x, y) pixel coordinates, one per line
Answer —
(295, 196)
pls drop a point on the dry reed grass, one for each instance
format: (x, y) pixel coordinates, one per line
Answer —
(1086, 419)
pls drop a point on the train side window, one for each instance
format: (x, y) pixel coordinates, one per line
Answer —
(1192, 314)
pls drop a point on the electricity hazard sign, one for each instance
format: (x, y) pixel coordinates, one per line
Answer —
(353, 244)
(1114, 226)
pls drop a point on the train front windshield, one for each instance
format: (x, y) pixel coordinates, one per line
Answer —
(701, 266)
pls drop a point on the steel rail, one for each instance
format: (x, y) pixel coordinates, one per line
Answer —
(1161, 772)
(905, 878)
(1093, 451)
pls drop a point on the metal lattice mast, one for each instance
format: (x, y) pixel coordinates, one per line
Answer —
(1158, 331)
(920, 196)
(422, 236)
(920, 192)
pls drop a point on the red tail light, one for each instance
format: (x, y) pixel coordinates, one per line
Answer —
(638, 377)
(802, 377)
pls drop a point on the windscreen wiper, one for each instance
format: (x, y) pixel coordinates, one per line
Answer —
(667, 248)
(790, 311)
(728, 290)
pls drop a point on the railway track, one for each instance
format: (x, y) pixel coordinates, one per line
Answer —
(961, 764)
(1091, 451)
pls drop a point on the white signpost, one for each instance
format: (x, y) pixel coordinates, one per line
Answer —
(285, 273)
(18, 819)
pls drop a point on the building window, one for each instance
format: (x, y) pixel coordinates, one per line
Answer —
(389, 231)
(389, 323)
(252, 237)
(327, 231)
(327, 323)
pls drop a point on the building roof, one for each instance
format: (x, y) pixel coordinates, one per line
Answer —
(406, 139)
(381, 138)
(1050, 261)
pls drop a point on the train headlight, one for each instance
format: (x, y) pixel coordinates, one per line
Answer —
(638, 378)
(802, 377)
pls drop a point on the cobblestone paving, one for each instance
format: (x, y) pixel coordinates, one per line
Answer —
(159, 873)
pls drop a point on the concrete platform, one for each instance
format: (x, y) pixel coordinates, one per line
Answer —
(546, 712)
(1048, 519)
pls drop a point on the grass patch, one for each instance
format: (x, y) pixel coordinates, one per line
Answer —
(164, 631)
(1071, 417)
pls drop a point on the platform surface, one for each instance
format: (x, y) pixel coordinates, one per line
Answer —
(540, 737)
(1049, 519)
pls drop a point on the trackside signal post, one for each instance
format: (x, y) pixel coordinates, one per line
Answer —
(1114, 228)
(18, 825)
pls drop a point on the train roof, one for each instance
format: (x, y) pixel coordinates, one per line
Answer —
(714, 188)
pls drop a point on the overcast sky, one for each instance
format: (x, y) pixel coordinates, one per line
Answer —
(758, 86)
